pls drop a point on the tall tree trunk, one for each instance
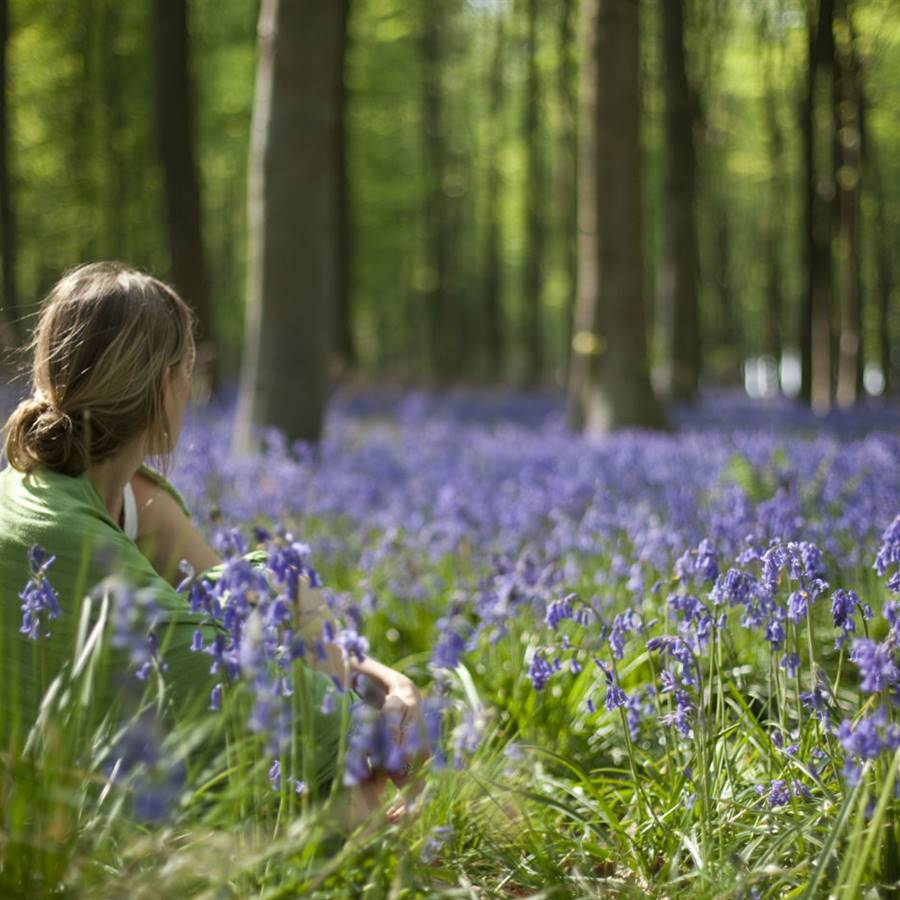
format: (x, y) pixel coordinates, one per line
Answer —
(436, 207)
(848, 112)
(567, 183)
(115, 183)
(772, 231)
(175, 134)
(680, 274)
(493, 276)
(344, 344)
(618, 391)
(292, 217)
(9, 308)
(884, 267)
(731, 334)
(585, 343)
(818, 138)
(534, 209)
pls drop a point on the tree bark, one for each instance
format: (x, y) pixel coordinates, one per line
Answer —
(567, 178)
(437, 224)
(493, 276)
(680, 269)
(818, 162)
(772, 232)
(884, 267)
(292, 217)
(618, 393)
(175, 134)
(584, 344)
(115, 184)
(848, 113)
(730, 334)
(534, 210)
(344, 344)
(9, 314)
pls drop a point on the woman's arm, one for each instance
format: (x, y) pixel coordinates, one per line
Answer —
(165, 534)
(166, 537)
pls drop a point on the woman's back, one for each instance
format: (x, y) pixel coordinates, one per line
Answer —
(66, 517)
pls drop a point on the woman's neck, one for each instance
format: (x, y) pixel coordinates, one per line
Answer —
(112, 474)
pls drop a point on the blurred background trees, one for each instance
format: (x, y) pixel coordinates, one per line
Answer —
(768, 156)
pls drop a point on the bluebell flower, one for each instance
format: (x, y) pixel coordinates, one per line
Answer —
(352, 644)
(734, 588)
(38, 597)
(615, 696)
(819, 700)
(843, 604)
(870, 736)
(876, 664)
(539, 671)
(438, 838)
(790, 662)
(707, 565)
(773, 561)
(798, 606)
(775, 634)
(779, 793)
(559, 610)
(889, 551)
(681, 717)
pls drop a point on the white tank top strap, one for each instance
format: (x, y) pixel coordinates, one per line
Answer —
(129, 513)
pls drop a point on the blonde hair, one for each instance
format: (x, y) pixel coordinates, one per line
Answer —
(105, 335)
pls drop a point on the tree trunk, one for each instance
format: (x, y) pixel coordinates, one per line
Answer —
(567, 183)
(9, 308)
(344, 344)
(679, 281)
(292, 218)
(115, 184)
(436, 207)
(493, 276)
(773, 238)
(618, 392)
(848, 112)
(584, 342)
(884, 267)
(534, 210)
(175, 134)
(818, 137)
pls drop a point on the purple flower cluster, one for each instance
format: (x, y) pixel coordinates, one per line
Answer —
(780, 791)
(889, 555)
(877, 667)
(38, 597)
(138, 763)
(134, 619)
(867, 739)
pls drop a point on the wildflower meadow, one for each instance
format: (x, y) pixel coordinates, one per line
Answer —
(653, 665)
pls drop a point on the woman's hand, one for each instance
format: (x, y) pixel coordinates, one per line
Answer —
(403, 712)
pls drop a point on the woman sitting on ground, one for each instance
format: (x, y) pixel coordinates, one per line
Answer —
(111, 376)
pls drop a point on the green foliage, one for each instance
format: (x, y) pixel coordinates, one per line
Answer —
(86, 181)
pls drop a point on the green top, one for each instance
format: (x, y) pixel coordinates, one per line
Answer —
(68, 518)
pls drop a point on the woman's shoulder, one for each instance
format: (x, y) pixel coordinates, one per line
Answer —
(48, 495)
(148, 482)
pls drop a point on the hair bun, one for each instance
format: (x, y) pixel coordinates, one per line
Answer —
(40, 433)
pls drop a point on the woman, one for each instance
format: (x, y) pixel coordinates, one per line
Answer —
(111, 376)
